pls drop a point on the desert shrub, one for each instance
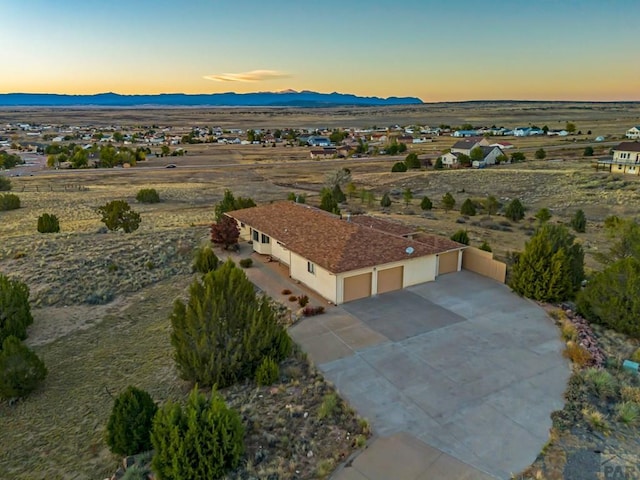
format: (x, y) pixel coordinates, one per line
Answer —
(601, 382)
(246, 262)
(485, 247)
(203, 440)
(568, 331)
(293, 298)
(540, 154)
(224, 331)
(628, 412)
(426, 204)
(21, 371)
(635, 356)
(9, 201)
(468, 208)
(99, 297)
(588, 152)
(204, 259)
(5, 184)
(329, 406)
(267, 372)
(399, 167)
(48, 223)
(148, 195)
(286, 291)
(303, 300)
(596, 420)
(129, 425)
(630, 394)
(577, 354)
(514, 210)
(385, 201)
(15, 311)
(461, 236)
(117, 215)
(310, 311)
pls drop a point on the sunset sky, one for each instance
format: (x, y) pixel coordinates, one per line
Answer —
(434, 50)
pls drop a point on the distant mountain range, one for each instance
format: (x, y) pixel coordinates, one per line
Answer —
(287, 98)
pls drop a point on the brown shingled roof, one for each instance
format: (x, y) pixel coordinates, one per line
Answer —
(334, 244)
(628, 147)
(384, 225)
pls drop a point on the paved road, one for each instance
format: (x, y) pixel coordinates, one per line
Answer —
(460, 371)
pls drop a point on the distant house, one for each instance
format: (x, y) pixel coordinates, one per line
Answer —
(344, 150)
(502, 145)
(626, 159)
(464, 133)
(633, 133)
(317, 141)
(464, 147)
(527, 131)
(599, 138)
(406, 139)
(327, 152)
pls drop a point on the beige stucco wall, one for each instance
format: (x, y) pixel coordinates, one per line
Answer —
(245, 232)
(322, 281)
(280, 252)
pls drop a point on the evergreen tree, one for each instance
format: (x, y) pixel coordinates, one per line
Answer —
(543, 215)
(385, 201)
(15, 311)
(21, 371)
(224, 331)
(204, 260)
(129, 425)
(399, 167)
(328, 203)
(485, 247)
(118, 215)
(551, 267)
(611, 297)
(407, 195)
(438, 165)
(540, 154)
(491, 205)
(461, 236)
(203, 441)
(514, 210)
(426, 204)
(579, 222)
(448, 202)
(468, 208)
(230, 203)
(412, 161)
(338, 195)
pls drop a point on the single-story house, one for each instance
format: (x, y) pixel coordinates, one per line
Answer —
(465, 133)
(633, 132)
(327, 152)
(316, 141)
(345, 259)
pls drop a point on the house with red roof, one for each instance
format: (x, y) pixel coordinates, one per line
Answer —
(344, 259)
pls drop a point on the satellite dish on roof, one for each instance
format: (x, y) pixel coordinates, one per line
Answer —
(409, 250)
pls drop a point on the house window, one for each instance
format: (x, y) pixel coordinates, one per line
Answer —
(265, 239)
(311, 268)
(256, 235)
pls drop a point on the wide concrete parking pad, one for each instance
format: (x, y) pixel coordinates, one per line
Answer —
(461, 364)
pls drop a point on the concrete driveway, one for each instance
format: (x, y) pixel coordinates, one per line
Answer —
(458, 377)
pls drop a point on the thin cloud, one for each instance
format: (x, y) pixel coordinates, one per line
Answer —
(252, 76)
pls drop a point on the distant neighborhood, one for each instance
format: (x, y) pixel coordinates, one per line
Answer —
(87, 146)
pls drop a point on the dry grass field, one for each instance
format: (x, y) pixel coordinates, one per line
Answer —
(101, 300)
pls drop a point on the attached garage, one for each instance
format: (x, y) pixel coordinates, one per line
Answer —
(357, 286)
(390, 279)
(448, 262)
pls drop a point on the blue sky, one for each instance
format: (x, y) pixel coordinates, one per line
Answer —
(435, 50)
